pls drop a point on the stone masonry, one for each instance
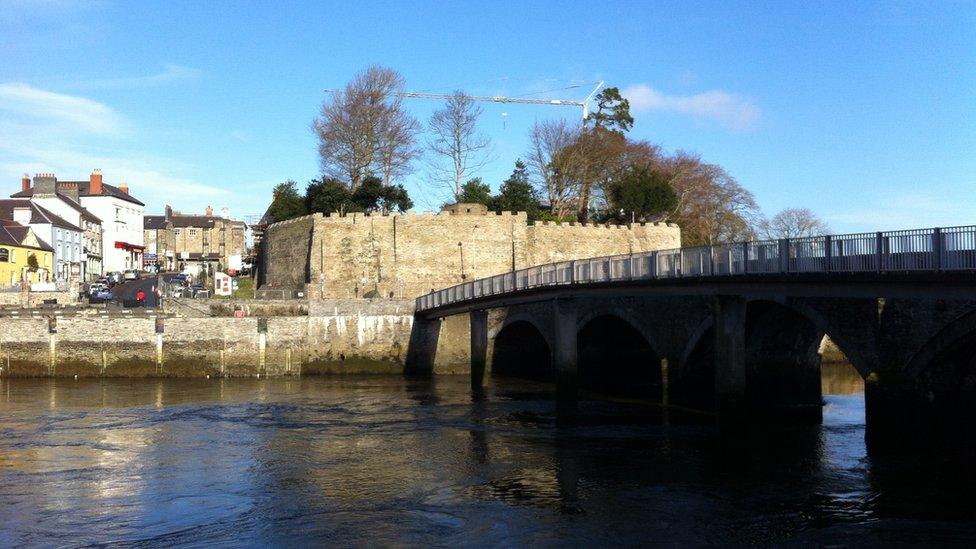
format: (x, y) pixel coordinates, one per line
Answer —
(404, 256)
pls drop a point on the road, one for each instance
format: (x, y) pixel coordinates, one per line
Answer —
(127, 290)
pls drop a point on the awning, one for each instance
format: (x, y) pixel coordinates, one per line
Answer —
(129, 247)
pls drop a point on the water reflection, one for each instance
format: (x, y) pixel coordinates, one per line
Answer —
(397, 461)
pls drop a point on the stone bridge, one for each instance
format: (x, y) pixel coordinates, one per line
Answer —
(735, 329)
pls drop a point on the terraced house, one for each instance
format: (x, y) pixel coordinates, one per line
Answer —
(65, 202)
(120, 245)
(191, 243)
(23, 256)
(63, 237)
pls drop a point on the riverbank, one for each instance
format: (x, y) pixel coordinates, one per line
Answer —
(343, 337)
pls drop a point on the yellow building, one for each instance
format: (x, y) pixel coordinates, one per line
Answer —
(18, 244)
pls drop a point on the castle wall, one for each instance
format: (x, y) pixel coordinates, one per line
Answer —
(287, 252)
(552, 242)
(404, 256)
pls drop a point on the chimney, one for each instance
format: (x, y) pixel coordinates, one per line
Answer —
(25, 183)
(45, 184)
(95, 182)
(124, 187)
(69, 189)
(22, 214)
(168, 212)
(209, 211)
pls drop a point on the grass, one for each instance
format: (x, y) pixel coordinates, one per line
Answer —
(245, 289)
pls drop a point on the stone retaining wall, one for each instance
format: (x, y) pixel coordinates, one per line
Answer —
(37, 298)
(344, 336)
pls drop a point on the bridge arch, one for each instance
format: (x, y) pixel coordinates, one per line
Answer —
(952, 335)
(783, 370)
(616, 357)
(624, 315)
(783, 366)
(521, 349)
(692, 381)
(823, 324)
(943, 373)
(521, 316)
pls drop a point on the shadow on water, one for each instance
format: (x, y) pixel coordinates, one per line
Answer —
(416, 462)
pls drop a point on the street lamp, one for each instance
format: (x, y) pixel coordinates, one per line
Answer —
(461, 252)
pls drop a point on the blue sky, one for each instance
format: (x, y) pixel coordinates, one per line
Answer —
(864, 112)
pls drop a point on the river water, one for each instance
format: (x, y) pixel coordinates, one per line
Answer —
(383, 460)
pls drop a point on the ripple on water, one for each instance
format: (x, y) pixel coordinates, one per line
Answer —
(343, 460)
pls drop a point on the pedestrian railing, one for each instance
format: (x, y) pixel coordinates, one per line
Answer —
(915, 250)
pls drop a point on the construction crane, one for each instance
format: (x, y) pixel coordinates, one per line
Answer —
(584, 104)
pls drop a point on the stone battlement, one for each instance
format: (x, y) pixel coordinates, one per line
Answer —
(353, 217)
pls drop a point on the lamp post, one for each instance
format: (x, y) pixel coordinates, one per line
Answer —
(461, 253)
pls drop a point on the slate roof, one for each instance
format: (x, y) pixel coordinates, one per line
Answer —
(38, 213)
(153, 222)
(85, 214)
(84, 190)
(13, 234)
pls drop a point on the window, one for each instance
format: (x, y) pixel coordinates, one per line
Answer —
(176, 232)
(4, 255)
(193, 232)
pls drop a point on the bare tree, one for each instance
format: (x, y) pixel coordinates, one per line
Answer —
(462, 150)
(794, 223)
(397, 149)
(364, 130)
(553, 161)
(713, 207)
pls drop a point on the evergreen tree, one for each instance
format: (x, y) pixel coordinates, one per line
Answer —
(642, 195)
(327, 196)
(286, 203)
(476, 192)
(517, 194)
(373, 196)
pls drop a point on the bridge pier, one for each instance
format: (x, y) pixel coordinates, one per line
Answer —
(479, 348)
(565, 359)
(730, 355)
(422, 349)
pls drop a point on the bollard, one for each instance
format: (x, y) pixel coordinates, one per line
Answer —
(159, 353)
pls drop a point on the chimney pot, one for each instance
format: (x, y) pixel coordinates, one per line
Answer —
(95, 182)
(25, 183)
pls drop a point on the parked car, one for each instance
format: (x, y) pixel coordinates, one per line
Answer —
(131, 274)
(115, 277)
(103, 294)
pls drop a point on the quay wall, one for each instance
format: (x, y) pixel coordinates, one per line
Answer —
(405, 256)
(34, 299)
(340, 336)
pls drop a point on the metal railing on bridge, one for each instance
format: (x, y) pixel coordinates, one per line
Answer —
(915, 250)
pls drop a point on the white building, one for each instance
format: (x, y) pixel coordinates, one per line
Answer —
(62, 236)
(119, 212)
(66, 204)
